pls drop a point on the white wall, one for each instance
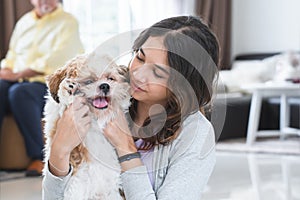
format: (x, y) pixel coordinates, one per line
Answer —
(265, 26)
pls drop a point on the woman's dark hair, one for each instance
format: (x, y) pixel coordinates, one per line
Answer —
(193, 55)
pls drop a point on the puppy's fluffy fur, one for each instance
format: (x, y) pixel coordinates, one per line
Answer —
(104, 85)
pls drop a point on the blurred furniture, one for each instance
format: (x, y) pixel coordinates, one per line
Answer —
(285, 91)
(12, 147)
(235, 123)
(252, 68)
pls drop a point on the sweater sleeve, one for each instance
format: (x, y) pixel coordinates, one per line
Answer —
(190, 164)
(187, 178)
(136, 180)
(53, 187)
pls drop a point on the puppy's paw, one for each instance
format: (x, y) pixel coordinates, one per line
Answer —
(71, 87)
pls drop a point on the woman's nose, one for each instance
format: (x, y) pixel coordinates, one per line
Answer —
(140, 74)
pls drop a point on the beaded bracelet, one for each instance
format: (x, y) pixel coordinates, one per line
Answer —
(130, 156)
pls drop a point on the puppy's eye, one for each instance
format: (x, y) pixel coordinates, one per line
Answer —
(88, 82)
(111, 78)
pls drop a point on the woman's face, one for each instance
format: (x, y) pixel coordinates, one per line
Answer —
(149, 72)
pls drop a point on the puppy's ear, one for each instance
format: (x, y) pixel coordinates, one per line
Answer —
(54, 80)
(124, 71)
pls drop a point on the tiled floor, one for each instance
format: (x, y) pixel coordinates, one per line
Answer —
(254, 177)
(237, 176)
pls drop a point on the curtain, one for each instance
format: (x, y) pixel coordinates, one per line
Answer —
(10, 12)
(217, 15)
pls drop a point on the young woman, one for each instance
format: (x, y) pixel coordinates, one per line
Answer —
(171, 75)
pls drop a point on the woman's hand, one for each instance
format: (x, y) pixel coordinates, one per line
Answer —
(72, 127)
(71, 130)
(119, 135)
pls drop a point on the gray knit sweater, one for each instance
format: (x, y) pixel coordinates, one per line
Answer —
(181, 169)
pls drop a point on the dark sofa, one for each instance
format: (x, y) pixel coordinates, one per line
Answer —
(237, 110)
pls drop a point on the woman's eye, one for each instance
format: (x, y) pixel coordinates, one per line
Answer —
(156, 74)
(88, 82)
(139, 58)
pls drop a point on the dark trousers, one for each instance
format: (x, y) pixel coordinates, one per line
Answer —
(26, 102)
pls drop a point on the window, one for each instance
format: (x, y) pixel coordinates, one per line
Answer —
(101, 20)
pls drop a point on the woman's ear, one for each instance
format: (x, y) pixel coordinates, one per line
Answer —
(53, 81)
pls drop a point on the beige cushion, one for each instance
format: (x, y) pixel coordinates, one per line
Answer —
(12, 147)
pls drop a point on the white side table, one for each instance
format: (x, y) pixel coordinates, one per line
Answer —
(284, 91)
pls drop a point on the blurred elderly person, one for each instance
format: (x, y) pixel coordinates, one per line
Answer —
(42, 40)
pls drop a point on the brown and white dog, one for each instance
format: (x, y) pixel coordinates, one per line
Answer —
(96, 170)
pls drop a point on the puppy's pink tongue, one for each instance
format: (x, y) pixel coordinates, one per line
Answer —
(100, 102)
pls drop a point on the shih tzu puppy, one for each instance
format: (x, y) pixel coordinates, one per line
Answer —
(104, 85)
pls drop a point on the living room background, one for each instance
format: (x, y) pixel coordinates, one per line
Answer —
(101, 19)
(257, 26)
(265, 26)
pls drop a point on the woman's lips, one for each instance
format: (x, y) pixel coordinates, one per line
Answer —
(136, 88)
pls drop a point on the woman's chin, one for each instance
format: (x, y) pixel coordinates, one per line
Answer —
(137, 96)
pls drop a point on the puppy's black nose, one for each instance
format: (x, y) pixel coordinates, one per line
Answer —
(104, 87)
